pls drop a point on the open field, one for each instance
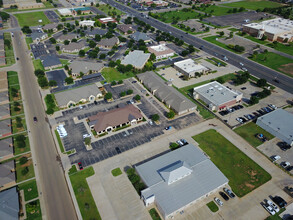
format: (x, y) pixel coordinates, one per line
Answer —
(213, 39)
(182, 15)
(32, 19)
(109, 10)
(30, 190)
(217, 10)
(275, 62)
(281, 47)
(111, 74)
(249, 131)
(83, 194)
(243, 173)
(253, 5)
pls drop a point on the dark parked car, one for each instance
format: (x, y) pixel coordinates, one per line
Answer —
(280, 201)
(243, 88)
(80, 166)
(118, 150)
(284, 146)
(229, 192)
(224, 196)
(289, 168)
(35, 119)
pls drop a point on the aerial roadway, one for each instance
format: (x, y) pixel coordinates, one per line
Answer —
(258, 70)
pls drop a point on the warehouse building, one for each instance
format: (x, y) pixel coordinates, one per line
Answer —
(190, 68)
(161, 51)
(279, 123)
(217, 96)
(136, 58)
(179, 179)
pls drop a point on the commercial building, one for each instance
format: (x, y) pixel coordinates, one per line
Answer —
(116, 118)
(9, 208)
(141, 36)
(107, 20)
(160, 3)
(50, 61)
(64, 11)
(279, 123)
(38, 35)
(69, 37)
(108, 43)
(69, 98)
(190, 68)
(217, 96)
(125, 28)
(93, 32)
(6, 149)
(84, 67)
(166, 93)
(7, 174)
(161, 51)
(87, 23)
(80, 11)
(277, 29)
(73, 47)
(136, 58)
(52, 27)
(179, 179)
(21, 4)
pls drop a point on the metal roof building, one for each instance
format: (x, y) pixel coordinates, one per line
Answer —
(279, 123)
(136, 58)
(216, 95)
(178, 179)
(189, 67)
(9, 208)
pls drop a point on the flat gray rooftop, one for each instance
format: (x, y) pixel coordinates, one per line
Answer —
(6, 147)
(176, 165)
(136, 58)
(4, 110)
(5, 128)
(9, 207)
(6, 176)
(4, 96)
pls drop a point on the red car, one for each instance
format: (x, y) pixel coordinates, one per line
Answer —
(80, 166)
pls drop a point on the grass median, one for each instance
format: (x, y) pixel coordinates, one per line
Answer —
(243, 173)
(212, 206)
(30, 190)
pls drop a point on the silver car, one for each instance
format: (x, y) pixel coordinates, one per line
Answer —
(218, 201)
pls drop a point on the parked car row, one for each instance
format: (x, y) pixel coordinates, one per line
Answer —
(226, 195)
(271, 206)
(230, 110)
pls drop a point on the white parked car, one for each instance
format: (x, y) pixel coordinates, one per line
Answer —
(150, 122)
(276, 157)
(218, 201)
(273, 205)
(269, 209)
(179, 142)
(273, 106)
(285, 164)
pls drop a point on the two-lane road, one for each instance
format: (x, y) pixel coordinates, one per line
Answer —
(254, 68)
(55, 194)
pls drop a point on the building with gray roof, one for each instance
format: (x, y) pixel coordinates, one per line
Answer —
(166, 93)
(73, 47)
(178, 179)
(93, 32)
(108, 43)
(7, 174)
(84, 67)
(50, 61)
(4, 111)
(6, 149)
(71, 97)
(5, 128)
(136, 58)
(279, 123)
(38, 35)
(140, 36)
(52, 26)
(4, 98)
(69, 37)
(9, 208)
(217, 96)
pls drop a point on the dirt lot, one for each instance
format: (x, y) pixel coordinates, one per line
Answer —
(236, 40)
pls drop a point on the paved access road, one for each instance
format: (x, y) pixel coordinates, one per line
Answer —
(255, 69)
(55, 194)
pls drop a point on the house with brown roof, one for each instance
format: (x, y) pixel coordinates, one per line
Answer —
(161, 50)
(125, 28)
(52, 27)
(108, 43)
(108, 121)
(73, 47)
(69, 37)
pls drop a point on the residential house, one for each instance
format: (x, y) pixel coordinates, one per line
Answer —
(84, 67)
(125, 28)
(52, 27)
(69, 37)
(108, 43)
(92, 32)
(141, 36)
(115, 118)
(50, 61)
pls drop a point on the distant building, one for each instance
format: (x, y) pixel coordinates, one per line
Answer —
(279, 123)
(4, 96)
(2, 52)
(125, 28)
(7, 174)
(166, 93)
(83, 11)
(136, 58)
(84, 67)
(9, 200)
(50, 61)
(28, 4)
(217, 96)
(6, 149)
(108, 43)
(141, 36)
(69, 98)
(161, 51)
(115, 118)
(88, 23)
(69, 37)
(49, 27)
(38, 35)
(107, 20)
(93, 32)
(73, 47)
(179, 179)
(160, 3)
(277, 29)
(64, 11)
(189, 68)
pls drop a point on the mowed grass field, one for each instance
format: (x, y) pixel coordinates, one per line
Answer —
(32, 19)
(111, 74)
(168, 16)
(243, 173)
(217, 10)
(249, 131)
(253, 5)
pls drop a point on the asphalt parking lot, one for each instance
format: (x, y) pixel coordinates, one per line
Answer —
(58, 75)
(116, 90)
(168, 62)
(235, 19)
(38, 50)
(52, 16)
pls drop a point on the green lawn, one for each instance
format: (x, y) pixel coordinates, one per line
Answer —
(212, 206)
(19, 168)
(28, 41)
(281, 47)
(13, 112)
(249, 131)
(83, 194)
(18, 150)
(212, 39)
(116, 172)
(18, 97)
(111, 74)
(243, 173)
(30, 190)
(108, 8)
(216, 10)
(154, 214)
(183, 16)
(38, 65)
(16, 129)
(33, 210)
(64, 62)
(9, 55)
(32, 19)
(253, 5)
(12, 79)
(59, 141)
(275, 62)
(72, 170)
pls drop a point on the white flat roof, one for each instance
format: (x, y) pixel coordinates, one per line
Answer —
(190, 65)
(64, 11)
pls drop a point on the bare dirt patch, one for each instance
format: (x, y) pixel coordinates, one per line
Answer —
(287, 68)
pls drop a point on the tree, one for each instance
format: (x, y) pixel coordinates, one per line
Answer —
(123, 94)
(66, 42)
(52, 83)
(39, 72)
(137, 97)
(155, 117)
(43, 82)
(53, 40)
(97, 37)
(4, 15)
(102, 56)
(120, 81)
(93, 54)
(25, 171)
(153, 56)
(221, 33)
(23, 160)
(50, 111)
(7, 43)
(184, 53)
(112, 63)
(108, 95)
(92, 44)
(129, 91)
(113, 83)
(220, 80)
(170, 114)
(261, 83)
(26, 30)
(60, 27)
(57, 47)
(87, 141)
(253, 100)
(69, 80)
(81, 53)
